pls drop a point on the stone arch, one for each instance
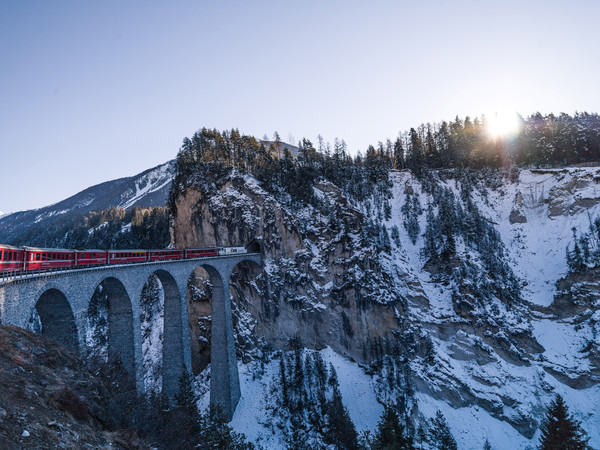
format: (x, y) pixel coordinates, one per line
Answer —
(241, 287)
(57, 319)
(152, 307)
(172, 346)
(112, 298)
(199, 296)
(224, 378)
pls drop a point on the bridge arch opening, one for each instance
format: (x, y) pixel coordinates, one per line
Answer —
(54, 319)
(200, 291)
(162, 333)
(199, 302)
(244, 311)
(110, 325)
(212, 322)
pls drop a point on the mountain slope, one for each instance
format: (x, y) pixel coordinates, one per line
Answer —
(445, 330)
(149, 188)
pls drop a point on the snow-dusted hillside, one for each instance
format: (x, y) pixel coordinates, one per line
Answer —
(149, 188)
(253, 417)
(491, 364)
(535, 215)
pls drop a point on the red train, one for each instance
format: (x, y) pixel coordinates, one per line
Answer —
(27, 259)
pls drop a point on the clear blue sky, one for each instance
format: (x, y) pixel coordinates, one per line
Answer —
(92, 91)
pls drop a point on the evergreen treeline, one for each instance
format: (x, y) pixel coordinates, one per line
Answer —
(450, 218)
(585, 252)
(541, 140)
(165, 423)
(310, 401)
(114, 228)
(290, 178)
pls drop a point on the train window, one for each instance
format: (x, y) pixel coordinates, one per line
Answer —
(1, 253)
(37, 256)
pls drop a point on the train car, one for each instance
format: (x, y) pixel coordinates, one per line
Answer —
(11, 258)
(223, 251)
(201, 252)
(48, 258)
(127, 256)
(86, 258)
(162, 255)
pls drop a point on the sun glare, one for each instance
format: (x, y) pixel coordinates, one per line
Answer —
(502, 124)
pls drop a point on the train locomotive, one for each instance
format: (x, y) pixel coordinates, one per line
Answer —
(30, 259)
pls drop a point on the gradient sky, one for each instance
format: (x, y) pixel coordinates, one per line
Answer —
(93, 91)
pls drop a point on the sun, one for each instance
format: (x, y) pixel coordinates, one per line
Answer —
(502, 124)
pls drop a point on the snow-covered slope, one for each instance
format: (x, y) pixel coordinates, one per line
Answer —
(534, 215)
(149, 188)
(493, 365)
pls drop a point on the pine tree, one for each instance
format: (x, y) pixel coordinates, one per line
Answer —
(284, 385)
(440, 436)
(342, 432)
(390, 433)
(217, 433)
(185, 397)
(560, 430)
(487, 445)
(185, 414)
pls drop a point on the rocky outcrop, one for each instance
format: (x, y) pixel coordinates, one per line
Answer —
(327, 285)
(578, 303)
(577, 190)
(49, 400)
(319, 284)
(517, 215)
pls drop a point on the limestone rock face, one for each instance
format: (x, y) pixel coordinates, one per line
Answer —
(324, 283)
(516, 215)
(318, 283)
(576, 191)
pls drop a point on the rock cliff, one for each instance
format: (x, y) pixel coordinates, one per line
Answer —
(328, 282)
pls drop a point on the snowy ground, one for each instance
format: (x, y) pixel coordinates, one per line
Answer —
(252, 415)
(537, 252)
(470, 426)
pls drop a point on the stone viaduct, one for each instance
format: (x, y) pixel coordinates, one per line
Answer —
(62, 301)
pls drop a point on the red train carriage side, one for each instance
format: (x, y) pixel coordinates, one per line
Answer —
(201, 252)
(161, 255)
(85, 258)
(48, 258)
(126, 256)
(18, 259)
(11, 258)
